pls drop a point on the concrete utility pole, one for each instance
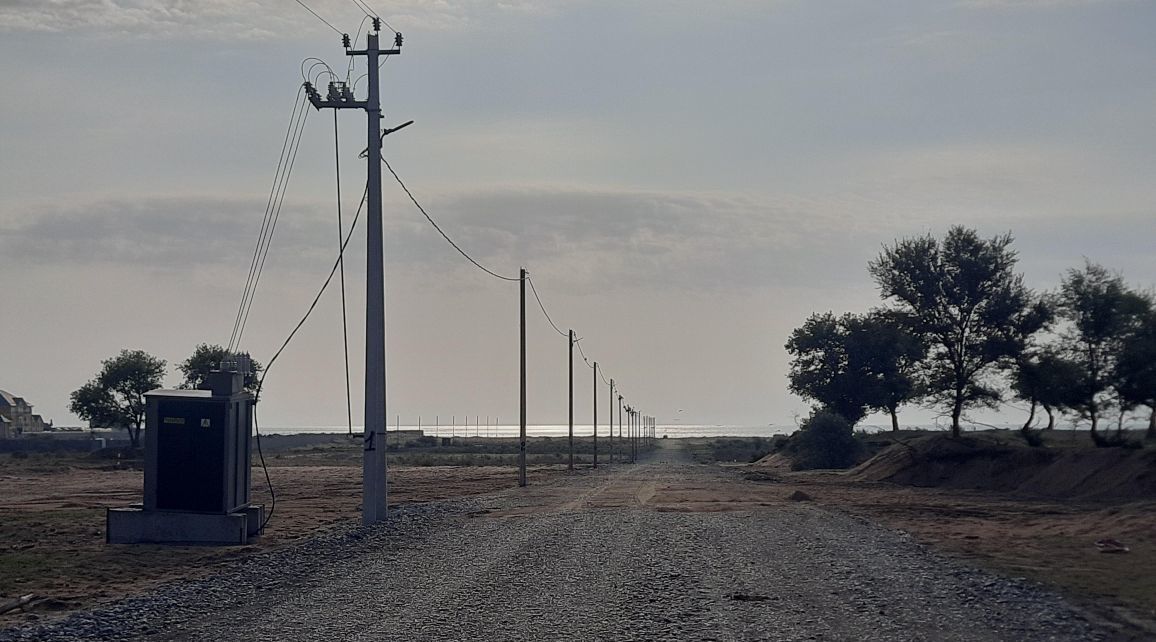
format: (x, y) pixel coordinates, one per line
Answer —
(522, 434)
(571, 400)
(373, 470)
(610, 420)
(596, 414)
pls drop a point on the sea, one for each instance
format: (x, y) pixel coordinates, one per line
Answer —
(483, 429)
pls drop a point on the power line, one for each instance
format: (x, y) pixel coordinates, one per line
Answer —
(361, 6)
(279, 199)
(265, 234)
(269, 365)
(315, 14)
(540, 305)
(341, 261)
(333, 271)
(439, 229)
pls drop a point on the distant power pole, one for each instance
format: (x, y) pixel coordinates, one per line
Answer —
(374, 483)
(620, 441)
(571, 400)
(522, 434)
(596, 414)
(610, 420)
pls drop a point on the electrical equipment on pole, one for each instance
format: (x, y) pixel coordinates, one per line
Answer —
(340, 96)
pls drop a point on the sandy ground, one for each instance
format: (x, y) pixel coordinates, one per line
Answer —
(52, 528)
(52, 523)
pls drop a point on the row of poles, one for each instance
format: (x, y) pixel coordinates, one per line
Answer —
(639, 427)
(374, 474)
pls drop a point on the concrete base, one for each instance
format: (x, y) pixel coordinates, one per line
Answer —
(134, 525)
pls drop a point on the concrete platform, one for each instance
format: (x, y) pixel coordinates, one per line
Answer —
(135, 525)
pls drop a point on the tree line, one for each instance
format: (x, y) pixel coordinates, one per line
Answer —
(115, 396)
(959, 330)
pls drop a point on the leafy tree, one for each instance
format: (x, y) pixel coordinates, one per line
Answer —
(825, 370)
(115, 397)
(1136, 369)
(854, 364)
(207, 358)
(825, 440)
(1044, 378)
(1101, 313)
(967, 304)
(890, 354)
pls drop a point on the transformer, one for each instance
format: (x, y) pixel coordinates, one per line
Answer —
(197, 468)
(197, 447)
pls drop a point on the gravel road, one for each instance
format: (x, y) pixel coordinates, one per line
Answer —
(595, 556)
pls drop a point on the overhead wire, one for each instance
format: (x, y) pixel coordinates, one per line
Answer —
(286, 144)
(275, 216)
(440, 230)
(318, 16)
(544, 312)
(276, 355)
(341, 262)
(361, 6)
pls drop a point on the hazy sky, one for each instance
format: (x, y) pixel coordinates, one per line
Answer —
(686, 182)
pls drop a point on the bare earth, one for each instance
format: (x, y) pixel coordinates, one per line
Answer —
(51, 533)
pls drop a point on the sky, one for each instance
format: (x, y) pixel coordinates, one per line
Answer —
(685, 182)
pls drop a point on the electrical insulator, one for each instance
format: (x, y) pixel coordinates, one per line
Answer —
(377, 24)
(345, 40)
(397, 39)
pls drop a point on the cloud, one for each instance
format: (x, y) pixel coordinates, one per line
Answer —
(582, 238)
(1032, 4)
(255, 19)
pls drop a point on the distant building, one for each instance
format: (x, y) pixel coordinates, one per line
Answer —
(16, 417)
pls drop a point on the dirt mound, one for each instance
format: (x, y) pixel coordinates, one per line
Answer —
(938, 460)
(774, 460)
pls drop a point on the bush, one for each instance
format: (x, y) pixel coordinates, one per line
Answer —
(824, 440)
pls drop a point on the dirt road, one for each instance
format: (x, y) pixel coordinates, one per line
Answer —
(664, 549)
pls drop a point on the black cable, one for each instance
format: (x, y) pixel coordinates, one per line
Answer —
(439, 229)
(335, 29)
(578, 342)
(276, 217)
(349, 68)
(363, 9)
(269, 365)
(341, 260)
(298, 102)
(540, 305)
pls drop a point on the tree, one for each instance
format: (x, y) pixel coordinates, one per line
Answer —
(823, 368)
(825, 440)
(1100, 312)
(115, 397)
(1135, 374)
(855, 363)
(1044, 378)
(891, 355)
(966, 303)
(207, 358)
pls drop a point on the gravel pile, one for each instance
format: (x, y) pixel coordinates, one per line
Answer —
(448, 572)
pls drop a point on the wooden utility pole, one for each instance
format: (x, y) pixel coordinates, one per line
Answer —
(610, 420)
(571, 400)
(373, 469)
(620, 441)
(595, 414)
(522, 433)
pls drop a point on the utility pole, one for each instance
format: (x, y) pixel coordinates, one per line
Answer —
(571, 400)
(522, 434)
(373, 469)
(620, 426)
(596, 414)
(610, 420)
